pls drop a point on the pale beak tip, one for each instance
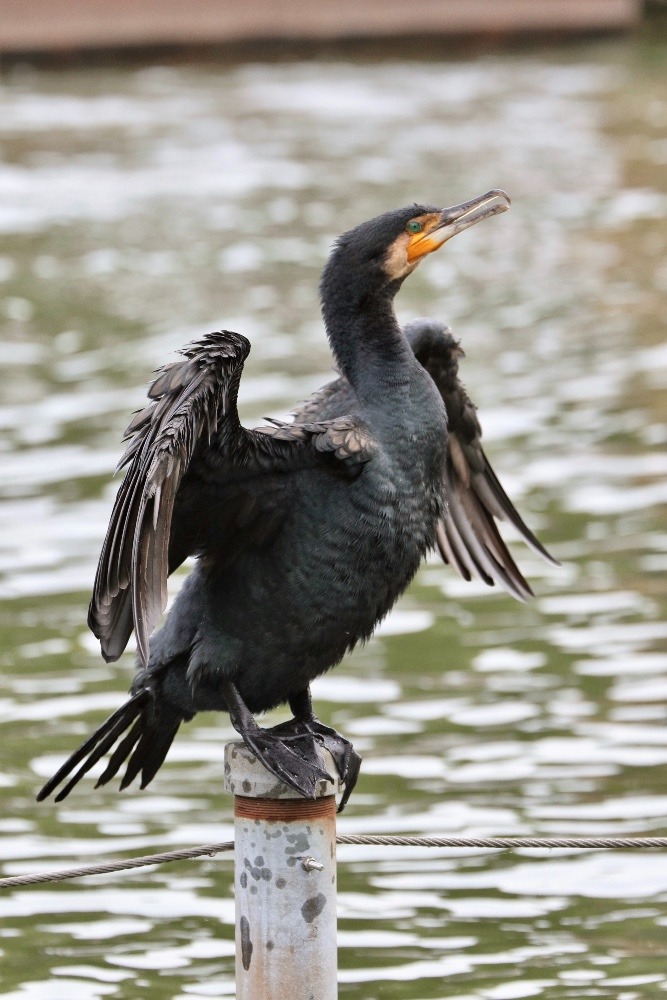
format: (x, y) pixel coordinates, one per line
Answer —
(502, 197)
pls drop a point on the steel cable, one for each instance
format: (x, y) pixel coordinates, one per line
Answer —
(209, 850)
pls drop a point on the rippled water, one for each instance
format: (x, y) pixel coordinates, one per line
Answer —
(140, 208)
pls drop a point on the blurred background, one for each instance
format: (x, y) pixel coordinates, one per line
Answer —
(152, 190)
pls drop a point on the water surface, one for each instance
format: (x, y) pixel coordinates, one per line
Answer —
(142, 208)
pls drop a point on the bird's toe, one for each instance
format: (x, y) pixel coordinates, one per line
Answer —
(345, 757)
(294, 760)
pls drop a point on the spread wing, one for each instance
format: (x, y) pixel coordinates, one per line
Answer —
(189, 401)
(188, 440)
(468, 538)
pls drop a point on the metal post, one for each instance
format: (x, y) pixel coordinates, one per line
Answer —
(285, 884)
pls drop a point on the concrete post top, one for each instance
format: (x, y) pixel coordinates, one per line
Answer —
(245, 775)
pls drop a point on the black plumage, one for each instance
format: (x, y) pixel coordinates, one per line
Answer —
(306, 532)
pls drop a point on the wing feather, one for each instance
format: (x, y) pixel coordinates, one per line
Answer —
(450, 550)
(467, 536)
(190, 430)
(191, 401)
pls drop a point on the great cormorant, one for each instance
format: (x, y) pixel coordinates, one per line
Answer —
(306, 532)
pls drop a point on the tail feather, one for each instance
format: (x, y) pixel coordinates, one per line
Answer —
(151, 749)
(119, 720)
(152, 727)
(120, 754)
(156, 753)
(95, 754)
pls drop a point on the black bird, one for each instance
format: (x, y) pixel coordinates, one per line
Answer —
(306, 532)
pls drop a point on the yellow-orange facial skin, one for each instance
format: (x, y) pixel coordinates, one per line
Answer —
(420, 244)
(435, 228)
(408, 249)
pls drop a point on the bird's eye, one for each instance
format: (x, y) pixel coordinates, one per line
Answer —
(415, 227)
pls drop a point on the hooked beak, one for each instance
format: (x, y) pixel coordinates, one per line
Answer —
(455, 220)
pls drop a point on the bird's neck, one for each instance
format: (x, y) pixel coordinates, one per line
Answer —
(369, 346)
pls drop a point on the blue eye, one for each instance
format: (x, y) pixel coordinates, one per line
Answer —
(414, 226)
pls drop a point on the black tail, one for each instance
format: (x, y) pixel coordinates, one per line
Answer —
(149, 728)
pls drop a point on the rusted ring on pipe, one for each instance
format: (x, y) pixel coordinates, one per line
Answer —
(285, 810)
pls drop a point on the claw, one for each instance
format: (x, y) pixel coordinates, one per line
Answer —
(345, 757)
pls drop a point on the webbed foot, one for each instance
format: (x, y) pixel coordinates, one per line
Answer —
(294, 759)
(305, 724)
(293, 756)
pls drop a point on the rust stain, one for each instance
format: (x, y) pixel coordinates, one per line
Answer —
(284, 810)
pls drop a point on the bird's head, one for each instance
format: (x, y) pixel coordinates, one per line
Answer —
(385, 250)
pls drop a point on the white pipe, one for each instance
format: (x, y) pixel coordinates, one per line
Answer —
(285, 884)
